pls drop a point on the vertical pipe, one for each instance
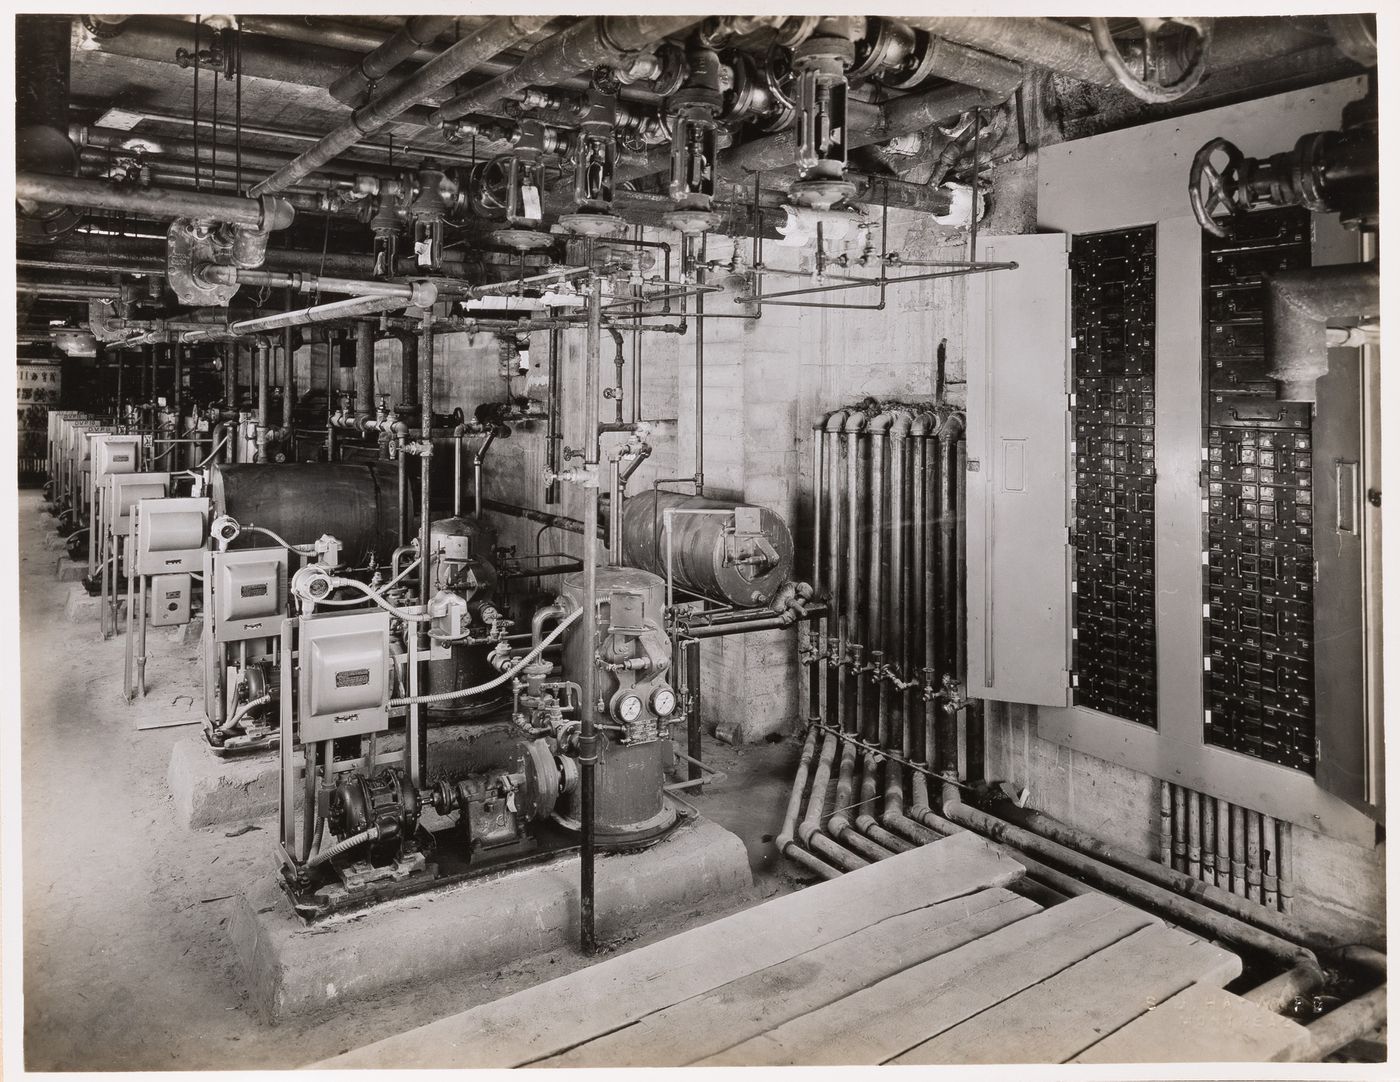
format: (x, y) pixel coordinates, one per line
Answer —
(899, 589)
(1252, 883)
(877, 637)
(587, 743)
(364, 370)
(834, 564)
(1179, 828)
(1285, 866)
(922, 604)
(403, 495)
(408, 368)
(457, 477)
(614, 512)
(264, 355)
(552, 437)
(289, 378)
(851, 612)
(1208, 839)
(425, 421)
(694, 747)
(1222, 844)
(121, 397)
(1164, 828)
(1193, 834)
(178, 455)
(700, 372)
(1268, 844)
(1237, 852)
(960, 560)
(814, 702)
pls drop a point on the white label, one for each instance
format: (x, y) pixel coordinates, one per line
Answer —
(530, 196)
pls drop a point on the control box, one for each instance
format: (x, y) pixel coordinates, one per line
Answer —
(170, 600)
(343, 674)
(245, 593)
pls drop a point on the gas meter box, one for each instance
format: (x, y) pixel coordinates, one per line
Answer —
(245, 593)
(125, 490)
(114, 454)
(344, 675)
(170, 600)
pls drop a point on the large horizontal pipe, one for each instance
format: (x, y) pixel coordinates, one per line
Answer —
(168, 203)
(354, 308)
(1068, 50)
(358, 82)
(454, 62)
(216, 274)
(602, 39)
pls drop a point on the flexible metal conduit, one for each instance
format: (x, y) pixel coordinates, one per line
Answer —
(454, 62)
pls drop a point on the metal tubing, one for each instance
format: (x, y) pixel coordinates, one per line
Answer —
(694, 720)
(1268, 852)
(835, 642)
(877, 637)
(364, 369)
(478, 469)
(161, 203)
(786, 843)
(448, 66)
(1193, 834)
(1285, 866)
(302, 282)
(425, 404)
(849, 622)
(1252, 884)
(866, 822)
(582, 46)
(1349, 1022)
(289, 375)
(320, 313)
(1179, 827)
(900, 611)
(1208, 839)
(809, 829)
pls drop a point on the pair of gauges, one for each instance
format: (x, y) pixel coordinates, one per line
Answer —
(628, 706)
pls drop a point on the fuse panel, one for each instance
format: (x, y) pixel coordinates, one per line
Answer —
(1113, 283)
(1258, 507)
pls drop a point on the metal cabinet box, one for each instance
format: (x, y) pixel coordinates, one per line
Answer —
(170, 535)
(245, 593)
(170, 600)
(343, 667)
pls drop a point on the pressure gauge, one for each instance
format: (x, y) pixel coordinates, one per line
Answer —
(663, 701)
(629, 708)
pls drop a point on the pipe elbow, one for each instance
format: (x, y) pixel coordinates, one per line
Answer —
(835, 420)
(855, 422)
(881, 422)
(277, 213)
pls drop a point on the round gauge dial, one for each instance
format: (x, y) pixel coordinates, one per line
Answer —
(629, 708)
(663, 701)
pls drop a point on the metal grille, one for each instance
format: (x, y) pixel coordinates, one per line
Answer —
(1113, 279)
(1259, 560)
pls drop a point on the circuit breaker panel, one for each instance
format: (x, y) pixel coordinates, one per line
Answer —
(1113, 288)
(1259, 533)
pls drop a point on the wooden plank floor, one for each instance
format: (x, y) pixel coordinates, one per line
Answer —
(922, 958)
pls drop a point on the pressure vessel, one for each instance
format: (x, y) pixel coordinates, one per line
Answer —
(734, 553)
(355, 503)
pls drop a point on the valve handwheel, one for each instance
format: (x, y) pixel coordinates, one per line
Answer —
(1216, 190)
(1157, 54)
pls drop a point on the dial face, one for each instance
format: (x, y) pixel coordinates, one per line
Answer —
(629, 708)
(664, 702)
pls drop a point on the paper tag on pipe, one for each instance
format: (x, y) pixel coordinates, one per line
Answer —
(530, 196)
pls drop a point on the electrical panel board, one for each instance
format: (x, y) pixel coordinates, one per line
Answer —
(1113, 290)
(1259, 509)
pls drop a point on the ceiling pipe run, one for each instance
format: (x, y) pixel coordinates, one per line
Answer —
(454, 62)
(358, 83)
(163, 203)
(602, 39)
(1298, 306)
(424, 294)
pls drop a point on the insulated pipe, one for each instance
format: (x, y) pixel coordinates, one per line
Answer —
(1207, 839)
(264, 359)
(1204, 892)
(924, 427)
(1298, 306)
(866, 822)
(910, 826)
(408, 366)
(848, 624)
(364, 370)
(450, 65)
(583, 45)
(878, 637)
(1045, 43)
(162, 203)
(1182, 910)
(835, 422)
(478, 466)
(425, 453)
(1252, 862)
(320, 313)
(839, 825)
(215, 274)
(809, 830)
(289, 375)
(899, 609)
(1193, 834)
(785, 842)
(418, 31)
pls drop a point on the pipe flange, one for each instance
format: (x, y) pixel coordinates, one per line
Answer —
(917, 66)
(826, 47)
(886, 43)
(692, 222)
(522, 240)
(797, 29)
(821, 194)
(585, 224)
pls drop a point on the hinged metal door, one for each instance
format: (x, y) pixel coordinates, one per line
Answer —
(1018, 550)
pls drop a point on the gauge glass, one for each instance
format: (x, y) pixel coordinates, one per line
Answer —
(629, 709)
(664, 702)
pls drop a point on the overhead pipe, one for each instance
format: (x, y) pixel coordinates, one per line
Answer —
(352, 308)
(452, 64)
(262, 214)
(1298, 306)
(43, 65)
(418, 31)
(582, 46)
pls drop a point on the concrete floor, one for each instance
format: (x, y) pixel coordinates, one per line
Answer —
(127, 965)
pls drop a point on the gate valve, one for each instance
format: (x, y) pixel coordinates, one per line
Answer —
(930, 689)
(953, 695)
(833, 652)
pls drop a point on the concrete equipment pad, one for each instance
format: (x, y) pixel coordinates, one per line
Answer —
(292, 968)
(81, 607)
(69, 570)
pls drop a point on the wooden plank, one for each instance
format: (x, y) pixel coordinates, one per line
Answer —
(891, 1017)
(550, 1018)
(709, 1023)
(1055, 1020)
(1205, 1025)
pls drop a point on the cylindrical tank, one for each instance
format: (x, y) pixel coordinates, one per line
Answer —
(630, 806)
(460, 547)
(741, 558)
(300, 501)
